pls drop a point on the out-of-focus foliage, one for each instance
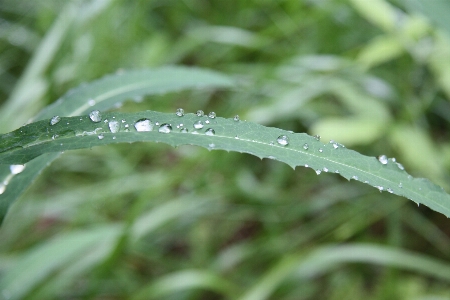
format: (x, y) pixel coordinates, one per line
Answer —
(147, 220)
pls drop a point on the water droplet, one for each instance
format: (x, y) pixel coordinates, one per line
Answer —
(305, 146)
(200, 113)
(211, 146)
(198, 124)
(95, 116)
(101, 136)
(366, 181)
(123, 121)
(210, 131)
(335, 145)
(55, 136)
(212, 115)
(390, 190)
(306, 166)
(114, 126)
(184, 130)
(55, 120)
(180, 112)
(380, 188)
(383, 159)
(337, 171)
(325, 169)
(165, 128)
(354, 177)
(207, 122)
(283, 140)
(400, 185)
(400, 166)
(318, 172)
(2, 188)
(91, 102)
(114, 137)
(16, 169)
(317, 137)
(143, 125)
(320, 150)
(236, 137)
(271, 157)
(194, 132)
(236, 118)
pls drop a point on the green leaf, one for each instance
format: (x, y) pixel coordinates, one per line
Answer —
(104, 94)
(294, 149)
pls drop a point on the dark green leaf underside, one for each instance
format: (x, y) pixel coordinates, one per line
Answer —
(38, 138)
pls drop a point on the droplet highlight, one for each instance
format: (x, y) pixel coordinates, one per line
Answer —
(95, 116)
(165, 128)
(16, 169)
(143, 125)
(210, 131)
(55, 120)
(283, 140)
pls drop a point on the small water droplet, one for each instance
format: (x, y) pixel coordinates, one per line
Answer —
(390, 190)
(380, 188)
(211, 146)
(101, 136)
(400, 185)
(366, 181)
(2, 188)
(55, 136)
(236, 137)
(354, 177)
(306, 166)
(212, 115)
(180, 112)
(210, 131)
(318, 172)
(95, 116)
(198, 125)
(138, 99)
(271, 157)
(91, 102)
(236, 118)
(16, 169)
(200, 113)
(114, 126)
(114, 137)
(320, 150)
(305, 146)
(325, 169)
(400, 166)
(317, 137)
(143, 125)
(184, 130)
(194, 132)
(55, 120)
(383, 159)
(283, 140)
(207, 122)
(335, 145)
(337, 171)
(123, 121)
(165, 128)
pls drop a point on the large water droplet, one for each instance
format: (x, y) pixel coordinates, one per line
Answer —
(95, 116)
(198, 125)
(200, 113)
(55, 120)
(16, 169)
(236, 118)
(114, 126)
(143, 125)
(212, 115)
(317, 137)
(210, 131)
(165, 128)
(180, 112)
(383, 159)
(283, 140)
(305, 146)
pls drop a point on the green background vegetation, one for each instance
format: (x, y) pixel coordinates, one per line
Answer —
(147, 220)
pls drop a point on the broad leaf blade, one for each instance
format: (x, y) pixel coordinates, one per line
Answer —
(104, 94)
(294, 149)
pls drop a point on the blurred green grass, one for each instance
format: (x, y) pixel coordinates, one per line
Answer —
(152, 221)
